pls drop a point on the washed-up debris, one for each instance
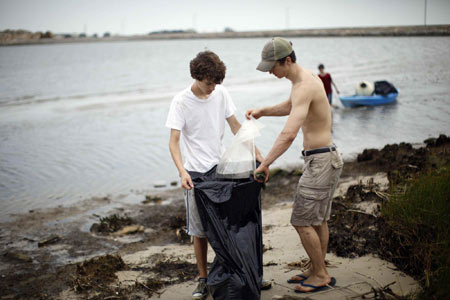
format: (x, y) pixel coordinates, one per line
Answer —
(167, 271)
(436, 142)
(97, 272)
(354, 221)
(129, 230)
(49, 240)
(159, 184)
(18, 256)
(182, 235)
(177, 221)
(266, 248)
(152, 199)
(402, 161)
(152, 286)
(111, 224)
(176, 269)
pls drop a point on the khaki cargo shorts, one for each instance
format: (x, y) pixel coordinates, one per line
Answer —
(315, 189)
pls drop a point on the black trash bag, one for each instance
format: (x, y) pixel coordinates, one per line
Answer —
(384, 87)
(230, 212)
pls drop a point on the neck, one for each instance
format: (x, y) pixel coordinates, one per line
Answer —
(294, 74)
(198, 92)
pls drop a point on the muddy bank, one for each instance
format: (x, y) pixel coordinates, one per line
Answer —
(64, 264)
(356, 226)
(32, 272)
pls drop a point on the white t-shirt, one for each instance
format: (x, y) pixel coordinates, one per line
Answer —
(202, 125)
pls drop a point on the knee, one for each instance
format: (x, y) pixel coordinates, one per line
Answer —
(302, 229)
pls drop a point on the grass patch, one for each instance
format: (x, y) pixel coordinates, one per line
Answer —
(416, 235)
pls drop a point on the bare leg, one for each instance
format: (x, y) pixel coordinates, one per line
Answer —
(312, 244)
(201, 251)
(324, 234)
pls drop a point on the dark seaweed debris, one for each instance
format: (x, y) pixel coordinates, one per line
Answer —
(111, 224)
(97, 272)
(354, 232)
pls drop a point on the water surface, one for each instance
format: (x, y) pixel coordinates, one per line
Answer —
(82, 120)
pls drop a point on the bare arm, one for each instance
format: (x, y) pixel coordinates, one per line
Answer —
(174, 146)
(235, 126)
(335, 87)
(279, 110)
(299, 111)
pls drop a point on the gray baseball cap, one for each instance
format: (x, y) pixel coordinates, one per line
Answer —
(274, 50)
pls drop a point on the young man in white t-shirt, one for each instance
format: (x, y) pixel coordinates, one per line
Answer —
(198, 115)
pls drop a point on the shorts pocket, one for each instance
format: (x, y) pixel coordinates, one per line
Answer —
(313, 193)
(336, 160)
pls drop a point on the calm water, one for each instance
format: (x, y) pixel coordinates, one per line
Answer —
(82, 120)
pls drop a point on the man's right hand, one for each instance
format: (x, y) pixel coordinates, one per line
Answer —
(255, 113)
(186, 181)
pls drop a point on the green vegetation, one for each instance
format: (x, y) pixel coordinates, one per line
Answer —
(416, 237)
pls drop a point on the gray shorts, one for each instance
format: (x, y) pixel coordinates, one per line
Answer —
(315, 189)
(194, 225)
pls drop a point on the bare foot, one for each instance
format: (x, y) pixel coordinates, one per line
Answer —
(312, 283)
(303, 276)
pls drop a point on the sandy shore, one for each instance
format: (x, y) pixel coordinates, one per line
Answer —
(358, 275)
(158, 261)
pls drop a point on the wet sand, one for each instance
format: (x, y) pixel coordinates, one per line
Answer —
(159, 262)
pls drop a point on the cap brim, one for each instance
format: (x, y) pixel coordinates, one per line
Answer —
(265, 65)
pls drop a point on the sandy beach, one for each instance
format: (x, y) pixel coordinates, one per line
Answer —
(52, 253)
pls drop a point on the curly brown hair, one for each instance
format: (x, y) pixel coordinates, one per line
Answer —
(207, 65)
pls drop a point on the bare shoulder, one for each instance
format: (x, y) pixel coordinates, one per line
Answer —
(305, 90)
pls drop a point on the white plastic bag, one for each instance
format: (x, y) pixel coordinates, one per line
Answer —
(239, 160)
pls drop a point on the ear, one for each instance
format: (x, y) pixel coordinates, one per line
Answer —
(288, 60)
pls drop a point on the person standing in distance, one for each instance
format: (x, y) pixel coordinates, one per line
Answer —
(327, 82)
(308, 109)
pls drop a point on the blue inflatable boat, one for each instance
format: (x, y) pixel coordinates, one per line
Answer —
(384, 93)
(372, 100)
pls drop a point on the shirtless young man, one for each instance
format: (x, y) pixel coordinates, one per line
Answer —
(308, 110)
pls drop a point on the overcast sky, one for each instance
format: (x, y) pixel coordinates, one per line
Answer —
(143, 16)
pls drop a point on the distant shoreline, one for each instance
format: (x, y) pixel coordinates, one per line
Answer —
(397, 31)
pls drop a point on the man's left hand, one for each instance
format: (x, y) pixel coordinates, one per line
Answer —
(262, 169)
